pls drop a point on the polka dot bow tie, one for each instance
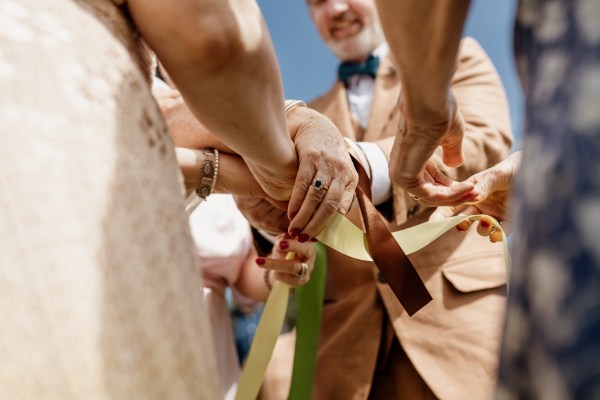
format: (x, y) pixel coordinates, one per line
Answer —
(367, 67)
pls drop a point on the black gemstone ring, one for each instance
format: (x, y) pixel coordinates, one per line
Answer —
(318, 184)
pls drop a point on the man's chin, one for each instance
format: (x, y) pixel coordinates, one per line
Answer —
(353, 54)
(351, 49)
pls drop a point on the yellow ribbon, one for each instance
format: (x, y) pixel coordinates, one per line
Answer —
(341, 235)
(264, 341)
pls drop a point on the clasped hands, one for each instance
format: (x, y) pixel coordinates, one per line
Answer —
(324, 184)
(412, 168)
(278, 201)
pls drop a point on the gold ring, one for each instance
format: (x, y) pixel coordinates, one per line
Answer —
(413, 196)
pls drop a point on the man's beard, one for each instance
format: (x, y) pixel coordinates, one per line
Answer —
(354, 48)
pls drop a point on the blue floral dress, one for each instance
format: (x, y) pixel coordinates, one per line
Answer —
(551, 346)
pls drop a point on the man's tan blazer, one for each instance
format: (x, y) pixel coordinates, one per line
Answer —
(453, 341)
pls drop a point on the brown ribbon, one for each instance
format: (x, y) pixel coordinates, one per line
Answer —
(388, 256)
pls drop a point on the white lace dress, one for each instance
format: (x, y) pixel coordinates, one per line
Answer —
(99, 286)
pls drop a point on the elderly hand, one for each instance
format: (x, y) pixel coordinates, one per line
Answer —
(295, 272)
(326, 176)
(262, 214)
(493, 187)
(419, 134)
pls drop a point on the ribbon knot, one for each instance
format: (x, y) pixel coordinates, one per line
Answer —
(368, 67)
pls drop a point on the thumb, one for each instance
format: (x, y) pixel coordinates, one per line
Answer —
(490, 181)
(484, 185)
(498, 178)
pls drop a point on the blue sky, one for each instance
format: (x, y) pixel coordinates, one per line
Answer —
(308, 68)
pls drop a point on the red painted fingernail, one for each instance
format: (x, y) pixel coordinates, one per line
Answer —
(484, 224)
(260, 261)
(283, 245)
(294, 232)
(293, 215)
(314, 240)
(303, 237)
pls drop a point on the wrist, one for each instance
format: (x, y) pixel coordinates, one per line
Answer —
(420, 110)
(298, 114)
(189, 162)
(207, 172)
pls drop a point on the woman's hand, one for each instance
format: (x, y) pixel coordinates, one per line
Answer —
(493, 187)
(295, 272)
(263, 214)
(326, 177)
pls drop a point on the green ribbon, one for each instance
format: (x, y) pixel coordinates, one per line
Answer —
(308, 326)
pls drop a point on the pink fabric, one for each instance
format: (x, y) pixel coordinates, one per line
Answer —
(223, 240)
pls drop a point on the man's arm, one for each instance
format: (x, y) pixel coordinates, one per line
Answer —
(481, 102)
(424, 36)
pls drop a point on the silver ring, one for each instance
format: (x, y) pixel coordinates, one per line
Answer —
(303, 271)
(319, 184)
(413, 196)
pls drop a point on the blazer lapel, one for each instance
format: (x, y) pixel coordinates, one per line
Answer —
(385, 100)
(334, 105)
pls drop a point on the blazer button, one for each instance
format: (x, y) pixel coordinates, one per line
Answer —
(381, 278)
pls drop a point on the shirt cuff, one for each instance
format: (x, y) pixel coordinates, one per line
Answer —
(361, 156)
(158, 83)
(381, 185)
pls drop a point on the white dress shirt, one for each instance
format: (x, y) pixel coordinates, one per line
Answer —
(360, 97)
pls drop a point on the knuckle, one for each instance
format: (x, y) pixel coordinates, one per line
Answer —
(304, 184)
(315, 195)
(330, 205)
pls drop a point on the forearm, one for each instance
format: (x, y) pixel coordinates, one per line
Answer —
(220, 56)
(424, 36)
(233, 174)
(186, 130)
(481, 102)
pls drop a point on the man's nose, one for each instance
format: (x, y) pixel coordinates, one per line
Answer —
(337, 7)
